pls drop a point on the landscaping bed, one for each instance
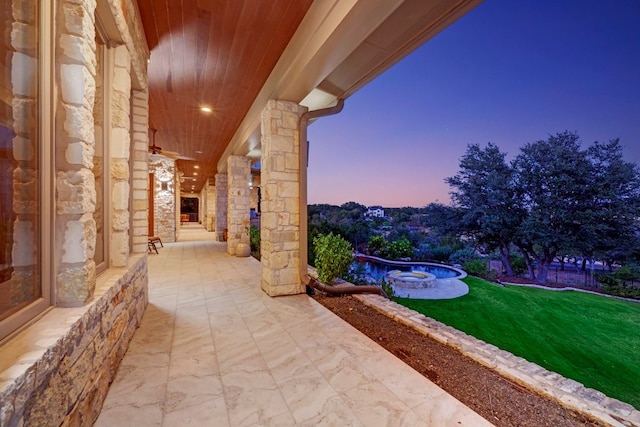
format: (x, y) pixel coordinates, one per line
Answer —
(497, 399)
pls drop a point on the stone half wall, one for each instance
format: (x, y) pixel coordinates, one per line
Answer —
(58, 371)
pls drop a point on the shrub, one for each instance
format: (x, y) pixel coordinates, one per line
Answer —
(387, 288)
(333, 256)
(356, 275)
(254, 239)
(617, 283)
(461, 256)
(398, 249)
(377, 245)
(441, 253)
(478, 267)
(518, 265)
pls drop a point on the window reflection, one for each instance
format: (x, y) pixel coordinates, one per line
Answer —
(98, 159)
(19, 176)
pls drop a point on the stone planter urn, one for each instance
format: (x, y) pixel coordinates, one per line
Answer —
(243, 250)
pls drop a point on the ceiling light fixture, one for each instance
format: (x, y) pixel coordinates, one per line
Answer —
(206, 109)
(196, 167)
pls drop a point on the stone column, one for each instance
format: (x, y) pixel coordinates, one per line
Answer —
(165, 194)
(119, 149)
(74, 149)
(210, 209)
(280, 221)
(221, 205)
(140, 168)
(239, 173)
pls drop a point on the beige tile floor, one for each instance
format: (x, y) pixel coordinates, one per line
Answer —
(214, 350)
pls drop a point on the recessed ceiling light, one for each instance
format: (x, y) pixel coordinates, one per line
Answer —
(206, 109)
(196, 167)
(195, 173)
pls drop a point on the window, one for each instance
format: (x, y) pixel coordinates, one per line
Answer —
(25, 194)
(101, 121)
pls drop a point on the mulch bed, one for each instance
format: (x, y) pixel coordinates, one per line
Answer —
(491, 395)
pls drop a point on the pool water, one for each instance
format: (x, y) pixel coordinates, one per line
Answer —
(376, 270)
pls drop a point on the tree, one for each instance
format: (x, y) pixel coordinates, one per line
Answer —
(613, 236)
(484, 190)
(554, 200)
(555, 179)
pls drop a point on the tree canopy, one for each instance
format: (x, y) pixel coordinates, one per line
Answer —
(553, 198)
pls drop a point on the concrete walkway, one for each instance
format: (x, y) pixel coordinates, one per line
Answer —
(214, 350)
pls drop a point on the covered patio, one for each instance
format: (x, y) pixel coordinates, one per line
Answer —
(214, 349)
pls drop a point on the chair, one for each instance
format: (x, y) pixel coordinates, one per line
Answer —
(152, 243)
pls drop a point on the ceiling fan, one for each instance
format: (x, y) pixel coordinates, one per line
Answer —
(157, 150)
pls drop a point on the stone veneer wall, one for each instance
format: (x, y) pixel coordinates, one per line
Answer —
(280, 219)
(221, 205)
(56, 370)
(165, 209)
(51, 379)
(239, 173)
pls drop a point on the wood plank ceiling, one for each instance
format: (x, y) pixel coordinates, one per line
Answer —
(210, 53)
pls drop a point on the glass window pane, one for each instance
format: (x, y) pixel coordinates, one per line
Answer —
(20, 283)
(98, 159)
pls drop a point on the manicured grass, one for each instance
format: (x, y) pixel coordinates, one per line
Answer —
(590, 338)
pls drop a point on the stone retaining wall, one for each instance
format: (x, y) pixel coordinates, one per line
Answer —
(57, 371)
(565, 391)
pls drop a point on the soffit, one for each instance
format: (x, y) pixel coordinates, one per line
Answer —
(234, 55)
(214, 53)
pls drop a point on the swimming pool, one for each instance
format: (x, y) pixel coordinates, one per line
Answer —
(377, 268)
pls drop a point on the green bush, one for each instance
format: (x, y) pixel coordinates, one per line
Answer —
(254, 239)
(518, 264)
(333, 256)
(617, 283)
(387, 288)
(401, 248)
(478, 267)
(441, 253)
(377, 245)
(461, 256)
(357, 275)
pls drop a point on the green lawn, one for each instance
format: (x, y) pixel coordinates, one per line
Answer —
(593, 339)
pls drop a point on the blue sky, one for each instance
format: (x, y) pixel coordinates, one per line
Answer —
(509, 72)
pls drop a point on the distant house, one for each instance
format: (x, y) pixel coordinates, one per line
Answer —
(374, 213)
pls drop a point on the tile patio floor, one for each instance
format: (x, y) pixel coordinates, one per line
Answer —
(214, 350)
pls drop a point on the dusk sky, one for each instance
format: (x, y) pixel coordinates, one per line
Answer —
(509, 72)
